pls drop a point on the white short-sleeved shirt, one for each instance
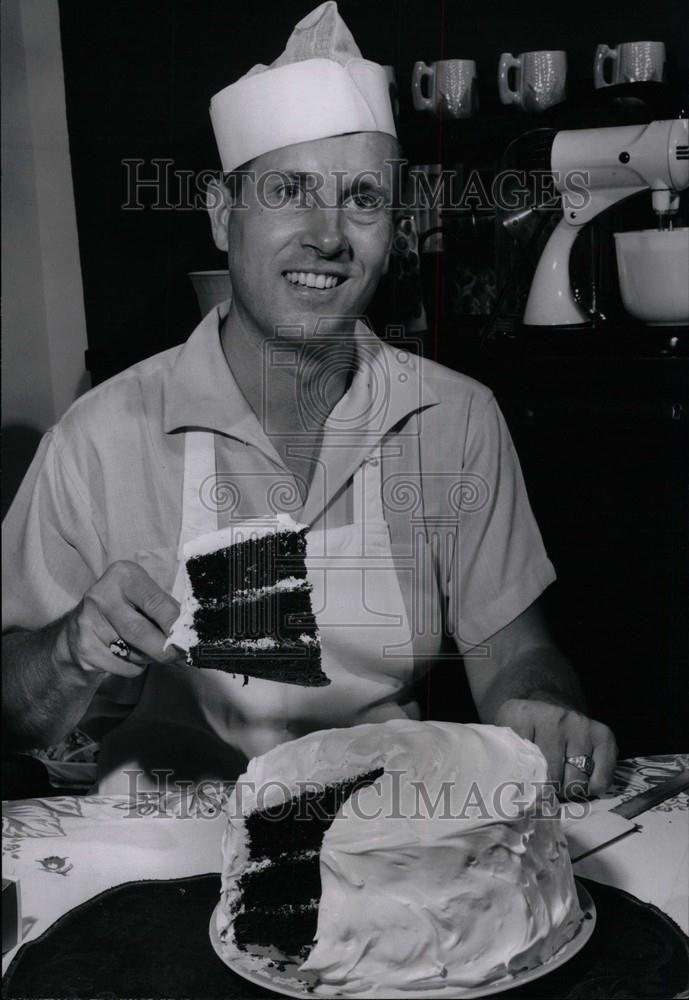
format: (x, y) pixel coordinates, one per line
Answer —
(106, 484)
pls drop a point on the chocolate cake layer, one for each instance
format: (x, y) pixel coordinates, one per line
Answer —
(284, 614)
(294, 879)
(279, 900)
(289, 928)
(291, 662)
(299, 824)
(248, 565)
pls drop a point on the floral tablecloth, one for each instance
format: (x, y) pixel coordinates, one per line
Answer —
(65, 850)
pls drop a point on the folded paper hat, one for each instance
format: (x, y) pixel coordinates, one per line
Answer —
(319, 87)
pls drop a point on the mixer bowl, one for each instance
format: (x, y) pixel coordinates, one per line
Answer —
(653, 268)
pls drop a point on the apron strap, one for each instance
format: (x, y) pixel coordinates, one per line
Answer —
(199, 515)
(367, 488)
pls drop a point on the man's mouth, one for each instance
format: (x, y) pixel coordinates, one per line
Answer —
(309, 279)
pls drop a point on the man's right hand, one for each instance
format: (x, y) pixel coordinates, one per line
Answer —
(125, 603)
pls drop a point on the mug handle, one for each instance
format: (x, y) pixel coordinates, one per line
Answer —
(603, 52)
(421, 70)
(507, 62)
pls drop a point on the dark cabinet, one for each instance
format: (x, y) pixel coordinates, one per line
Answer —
(601, 424)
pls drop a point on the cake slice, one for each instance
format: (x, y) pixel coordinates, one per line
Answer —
(247, 603)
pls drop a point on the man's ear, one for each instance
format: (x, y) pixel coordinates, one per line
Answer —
(218, 205)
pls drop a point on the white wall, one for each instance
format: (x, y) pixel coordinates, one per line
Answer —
(44, 329)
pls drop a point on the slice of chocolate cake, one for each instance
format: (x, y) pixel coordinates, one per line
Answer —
(247, 606)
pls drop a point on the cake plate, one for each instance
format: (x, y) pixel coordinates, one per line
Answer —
(271, 971)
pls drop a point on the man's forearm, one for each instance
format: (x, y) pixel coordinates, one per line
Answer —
(539, 672)
(44, 693)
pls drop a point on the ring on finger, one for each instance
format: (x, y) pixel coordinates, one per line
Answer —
(582, 762)
(118, 647)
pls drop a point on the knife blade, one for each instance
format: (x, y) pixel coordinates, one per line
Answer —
(653, 796)
(601, 829)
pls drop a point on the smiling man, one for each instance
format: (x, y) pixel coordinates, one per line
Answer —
(308, 236)
(284, 400)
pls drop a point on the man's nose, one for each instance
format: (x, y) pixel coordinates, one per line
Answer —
(324, 233)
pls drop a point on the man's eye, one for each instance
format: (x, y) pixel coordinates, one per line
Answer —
(367, 201)
(290, 189)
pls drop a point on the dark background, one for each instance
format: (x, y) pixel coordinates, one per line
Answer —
(600, 418)
(139, 77)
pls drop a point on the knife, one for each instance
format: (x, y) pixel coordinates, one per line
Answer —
(653, 796)
(601, 829)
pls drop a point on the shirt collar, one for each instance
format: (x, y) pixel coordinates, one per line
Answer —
(386, 388)
(202, 391)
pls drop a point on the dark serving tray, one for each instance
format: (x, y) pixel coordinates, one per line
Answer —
(150, 939)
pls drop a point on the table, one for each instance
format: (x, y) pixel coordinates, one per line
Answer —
(66, 850)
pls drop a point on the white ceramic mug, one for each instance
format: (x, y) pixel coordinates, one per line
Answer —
(631, 62)
(393, 90)
(452, 88)
(540, 79)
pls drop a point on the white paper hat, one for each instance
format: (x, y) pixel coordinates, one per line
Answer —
(320, 86)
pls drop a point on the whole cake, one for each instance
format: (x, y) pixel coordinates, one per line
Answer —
(247, 603)
(398, 856)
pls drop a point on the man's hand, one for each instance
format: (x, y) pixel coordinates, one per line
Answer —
(51, 675)
(562, 732)
(125, 603)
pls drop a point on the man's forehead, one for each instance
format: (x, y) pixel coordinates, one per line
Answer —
(342, 154)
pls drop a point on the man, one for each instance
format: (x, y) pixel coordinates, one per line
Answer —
(283, 400)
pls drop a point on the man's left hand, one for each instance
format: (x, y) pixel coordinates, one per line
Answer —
(561, 732)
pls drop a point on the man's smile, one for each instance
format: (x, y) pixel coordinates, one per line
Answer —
(320, 280)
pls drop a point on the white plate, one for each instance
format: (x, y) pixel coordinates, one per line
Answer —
(275, 973)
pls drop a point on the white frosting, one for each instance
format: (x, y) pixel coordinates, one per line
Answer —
(183, 634)
(286, 583)
(417, 896)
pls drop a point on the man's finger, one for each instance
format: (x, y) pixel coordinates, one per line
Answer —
(141, 635)
(604, 759)
(129, 654)
(550, 741)
(577, 756)
(575, 780)
(143, 593)
(552, 729)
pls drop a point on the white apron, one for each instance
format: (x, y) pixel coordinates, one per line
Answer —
(191, 724)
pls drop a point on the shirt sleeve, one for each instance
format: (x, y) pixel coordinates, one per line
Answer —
(499, 565)
(51, 552)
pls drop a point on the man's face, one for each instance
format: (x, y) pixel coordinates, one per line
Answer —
(313, 239)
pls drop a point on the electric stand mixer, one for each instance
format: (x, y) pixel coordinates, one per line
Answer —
(593, 169)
